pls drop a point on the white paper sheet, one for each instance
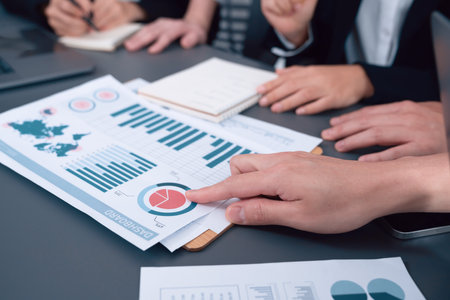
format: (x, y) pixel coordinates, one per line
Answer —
(377, 279)
(119, 159)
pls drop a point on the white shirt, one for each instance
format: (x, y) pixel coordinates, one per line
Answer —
(376, 35)
(374, 39)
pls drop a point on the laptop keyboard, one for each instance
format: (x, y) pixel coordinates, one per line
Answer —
(5, 68)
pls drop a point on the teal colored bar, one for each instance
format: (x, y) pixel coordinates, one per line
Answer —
(112, 178)
(144, 121)
(122, 179)
(145, 170)
(131, 168)
(174, 126)
(217, 142)
(184, 136)
(155, 122)
(134, 119)
(115, 169)
(143, 159)
(138, 111)
(191, 141)
(94, 179)
(224, 157)
(217, 151)
(143, 164)
(246, 151)
(118, 113)
(174, 134)
(100, 177)
(124, 169)
(85, 180)
(160, 127)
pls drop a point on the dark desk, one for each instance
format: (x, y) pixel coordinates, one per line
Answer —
(49, 250)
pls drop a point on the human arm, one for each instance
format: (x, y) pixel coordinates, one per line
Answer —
(327, 195)
(192, 29)
(409, 128)
(65, 18)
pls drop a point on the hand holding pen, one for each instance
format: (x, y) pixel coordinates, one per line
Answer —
(67, 18)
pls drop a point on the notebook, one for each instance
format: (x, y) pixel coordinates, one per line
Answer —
(102, 40)
(214, 90)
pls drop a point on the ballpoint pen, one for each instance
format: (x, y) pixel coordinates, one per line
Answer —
(88, 18)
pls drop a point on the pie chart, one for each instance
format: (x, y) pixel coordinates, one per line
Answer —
(81, 105)
(106, 95)
(383, 289)
(347, 290)
(165, 199)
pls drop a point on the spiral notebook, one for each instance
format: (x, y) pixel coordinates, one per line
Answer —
(214, 90)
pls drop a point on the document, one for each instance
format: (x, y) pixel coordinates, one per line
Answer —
(121, 160)
(276, 138)
(214, 90)
(378, 279)
(102, 40)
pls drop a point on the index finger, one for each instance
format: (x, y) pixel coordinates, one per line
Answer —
(236, 186)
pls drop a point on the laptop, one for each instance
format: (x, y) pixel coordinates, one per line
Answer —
(30, 54)
(412, 225)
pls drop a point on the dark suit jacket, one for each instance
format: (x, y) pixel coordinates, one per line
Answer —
(411, 76)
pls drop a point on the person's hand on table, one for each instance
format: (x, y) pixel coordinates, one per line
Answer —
(290, 18)
(314, 89)
(327, 195)
(65, 18)
(411, 128)
(161, 33)
(112, 13)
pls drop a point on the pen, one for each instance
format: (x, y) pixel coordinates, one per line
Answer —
(87, 19)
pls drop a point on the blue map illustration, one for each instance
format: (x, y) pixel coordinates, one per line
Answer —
(40, 130)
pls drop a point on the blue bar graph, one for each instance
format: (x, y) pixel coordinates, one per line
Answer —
(122, 111)
(217, 151)
(191, 141)
(134, 119)
(224, 157)
(217, 142)
(109, 167)
(183, 137)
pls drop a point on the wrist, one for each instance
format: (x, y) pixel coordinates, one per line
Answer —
(297, 38)
(133, 12)
(367, 88)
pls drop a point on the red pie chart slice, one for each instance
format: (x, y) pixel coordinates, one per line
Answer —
(167, 199)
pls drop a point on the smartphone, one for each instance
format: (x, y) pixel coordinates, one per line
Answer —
(414, 225)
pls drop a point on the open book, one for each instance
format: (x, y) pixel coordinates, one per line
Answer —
(102, 40)
(213, 90)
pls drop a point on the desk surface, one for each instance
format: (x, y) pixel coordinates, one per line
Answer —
(49, 250)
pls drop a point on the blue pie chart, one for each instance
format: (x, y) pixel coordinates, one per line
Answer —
(347, 290)
(383, 289)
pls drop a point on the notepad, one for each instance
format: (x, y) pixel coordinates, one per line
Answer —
(214, 90)
(102, 40)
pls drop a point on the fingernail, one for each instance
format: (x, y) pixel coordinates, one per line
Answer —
(261, 89)
(300, 111)
(263, 101)
(277, 107)
(340, 145)
(235, 214)
(326, 133)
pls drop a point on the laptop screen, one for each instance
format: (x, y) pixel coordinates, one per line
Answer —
(441, 41)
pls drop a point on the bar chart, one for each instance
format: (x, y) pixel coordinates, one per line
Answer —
(109, 167)
(179, 144)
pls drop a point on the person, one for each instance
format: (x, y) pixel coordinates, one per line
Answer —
(327, 195)
(379, 51)
(407, 128)
(192, 29)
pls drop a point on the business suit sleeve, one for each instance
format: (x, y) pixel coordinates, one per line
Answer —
(164, 8)
(30, 9)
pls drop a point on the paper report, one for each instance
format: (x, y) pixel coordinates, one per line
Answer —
(121, 160)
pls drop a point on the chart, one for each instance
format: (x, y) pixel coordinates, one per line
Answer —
(348, 290)
(383, 289)
(165, 199)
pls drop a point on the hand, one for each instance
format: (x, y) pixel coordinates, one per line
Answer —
(327, 195)
(291, 18)
(313, 89)
(161, 33)
(65, 18)
(410, 128)
(112, 13)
